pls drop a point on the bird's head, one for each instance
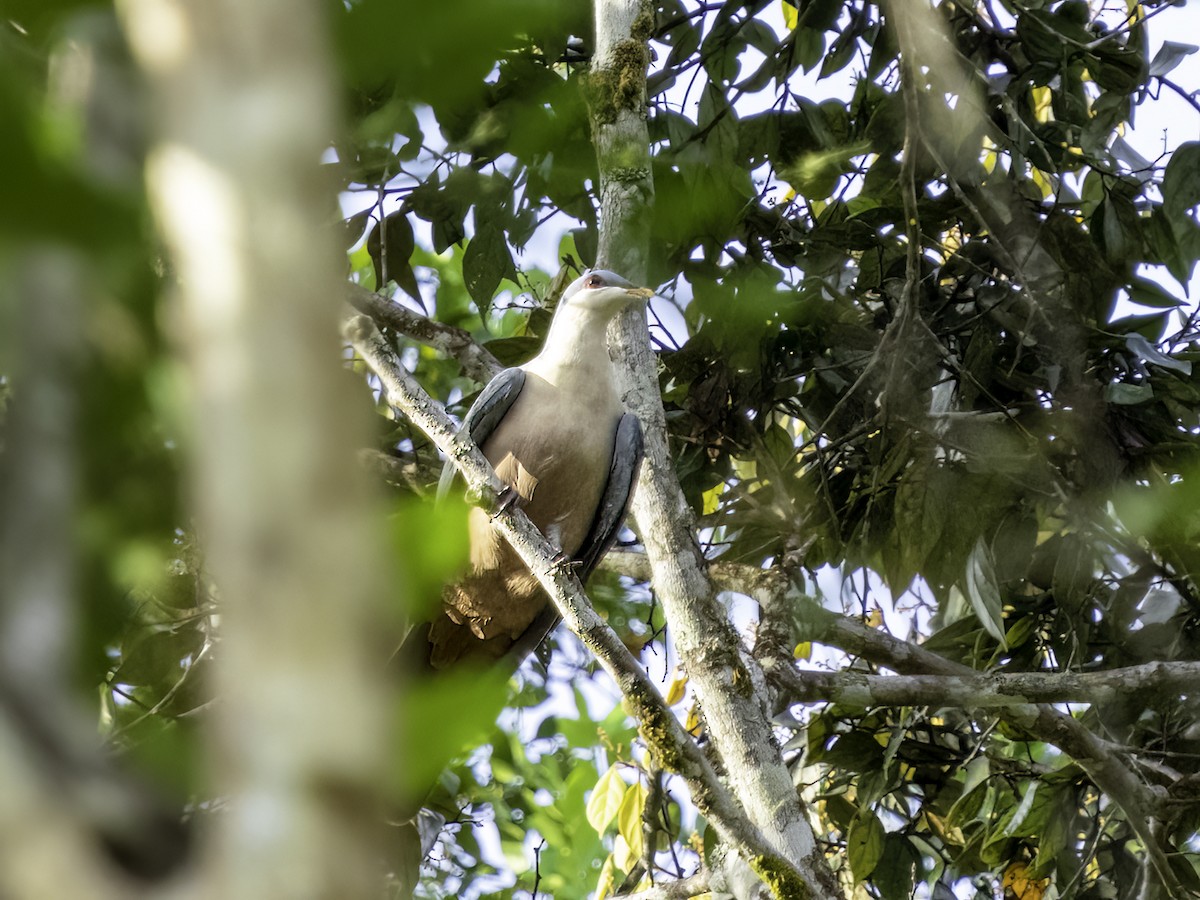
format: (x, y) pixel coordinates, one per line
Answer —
(604, 292)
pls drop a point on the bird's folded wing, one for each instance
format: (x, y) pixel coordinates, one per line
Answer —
(485, 414)
(628, 450)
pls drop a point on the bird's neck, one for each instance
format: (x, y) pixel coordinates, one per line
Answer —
(576, 351)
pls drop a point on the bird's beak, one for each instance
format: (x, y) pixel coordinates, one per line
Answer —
(640, 293)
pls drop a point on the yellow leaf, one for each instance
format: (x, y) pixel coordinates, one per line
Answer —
(989, 154)
(803, 651)
(1017, 880)
(1043, 183)
(712, 498)
(629, 818)
(677, 688)
(791, 15)
(952, 242)
(606, 799)
(623, 859)
(1042, 98)
(607, 881)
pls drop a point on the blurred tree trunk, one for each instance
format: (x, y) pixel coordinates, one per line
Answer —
(47, 847)
(245, 110)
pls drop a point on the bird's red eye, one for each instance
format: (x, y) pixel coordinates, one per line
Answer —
(595, 281)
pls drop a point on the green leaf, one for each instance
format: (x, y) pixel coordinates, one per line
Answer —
(897, 869)
(974, 790)
(1138, 345)
(1181, 181)
(815, 175)
(629, 818)
(390, 245)
(486, 262)
(1118, 227)
(1123, 394)
(982, 591)
(605, 802)
(438, 718)
(883, 50)
(809, 47)
(1149, 293)
(856, 752)
(864, 844)
(840, 54)
(1038, 33)
(440, 531)
(1038, 803)
(1169, 55)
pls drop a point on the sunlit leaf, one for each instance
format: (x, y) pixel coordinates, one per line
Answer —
(629, 818)
(677, 688)
(790, 14)
(605, 801)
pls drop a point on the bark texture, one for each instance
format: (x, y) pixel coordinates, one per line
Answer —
(726, 680)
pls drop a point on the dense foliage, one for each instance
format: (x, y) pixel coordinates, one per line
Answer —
(988, 443)
(1004, 438)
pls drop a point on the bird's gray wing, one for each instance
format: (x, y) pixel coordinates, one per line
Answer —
(628, 450)
(485, 414)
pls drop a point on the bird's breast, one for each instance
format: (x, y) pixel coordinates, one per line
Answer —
(555, 448)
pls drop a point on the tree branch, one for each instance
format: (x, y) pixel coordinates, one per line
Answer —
(1108, 764)
(982, 690)
(683, 889)
(456, 343)
(397, 470)
(727, 681)
(670, 744)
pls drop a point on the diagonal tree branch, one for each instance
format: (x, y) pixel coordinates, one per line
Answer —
(673, 749)
(456, 343)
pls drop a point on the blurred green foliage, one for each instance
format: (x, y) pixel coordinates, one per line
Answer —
(57, 195)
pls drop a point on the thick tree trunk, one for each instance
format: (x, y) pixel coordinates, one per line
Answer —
(244, 97)
(727, 681)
